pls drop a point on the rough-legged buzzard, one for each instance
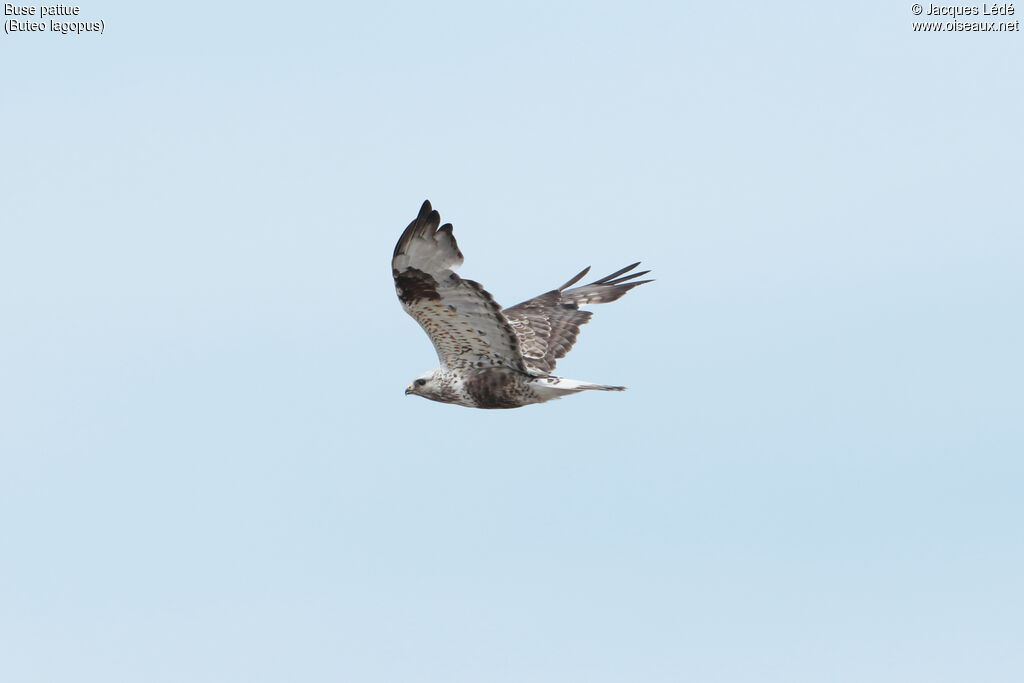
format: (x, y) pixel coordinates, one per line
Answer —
(491, 357)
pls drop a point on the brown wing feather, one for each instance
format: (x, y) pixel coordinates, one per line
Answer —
(547, 325)
(461, 318)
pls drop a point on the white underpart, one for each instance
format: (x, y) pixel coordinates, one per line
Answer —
(436, 254)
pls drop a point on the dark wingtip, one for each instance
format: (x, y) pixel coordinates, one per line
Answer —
(426, 221)
(428, 215)
(576, 278)
(615, 279)
(625, 278)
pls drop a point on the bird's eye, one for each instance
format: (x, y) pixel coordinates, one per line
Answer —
(420, 382)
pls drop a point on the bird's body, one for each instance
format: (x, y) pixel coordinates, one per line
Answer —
(490, 357)
(498, 388)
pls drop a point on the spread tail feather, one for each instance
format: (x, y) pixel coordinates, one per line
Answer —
(555, 387)
(599, 387)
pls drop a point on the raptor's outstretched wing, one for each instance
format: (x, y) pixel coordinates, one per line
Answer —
(461, 318)
(547, 325)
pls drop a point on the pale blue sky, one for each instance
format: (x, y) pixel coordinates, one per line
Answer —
(209, 471)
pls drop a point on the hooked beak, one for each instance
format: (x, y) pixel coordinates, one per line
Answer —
(408, 390)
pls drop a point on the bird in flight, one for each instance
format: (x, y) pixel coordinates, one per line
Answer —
(491, 357)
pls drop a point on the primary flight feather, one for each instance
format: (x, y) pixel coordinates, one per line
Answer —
(491, 357)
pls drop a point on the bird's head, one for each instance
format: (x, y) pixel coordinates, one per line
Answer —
(428, 385)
